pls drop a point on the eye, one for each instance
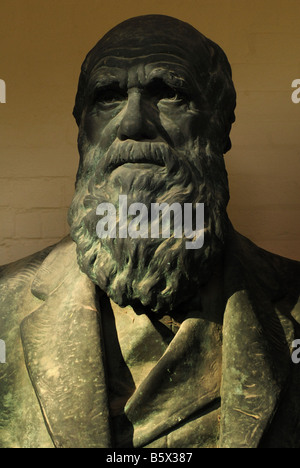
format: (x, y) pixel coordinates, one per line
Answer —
(171, 95)
(160, 91)
(109, 96)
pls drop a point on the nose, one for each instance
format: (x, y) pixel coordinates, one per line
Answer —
(138, 120)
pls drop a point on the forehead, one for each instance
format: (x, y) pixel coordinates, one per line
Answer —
(142, 69)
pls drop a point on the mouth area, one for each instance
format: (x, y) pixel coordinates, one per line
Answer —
(136, 155)
(139, 162)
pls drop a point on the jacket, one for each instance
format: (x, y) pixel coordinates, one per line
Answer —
(53, 386)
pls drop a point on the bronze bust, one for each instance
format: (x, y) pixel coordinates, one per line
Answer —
(137, 341)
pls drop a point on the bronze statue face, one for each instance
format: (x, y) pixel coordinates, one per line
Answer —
(151, 127)
(152, 99)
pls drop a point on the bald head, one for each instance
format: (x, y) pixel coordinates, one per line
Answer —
(154, 34)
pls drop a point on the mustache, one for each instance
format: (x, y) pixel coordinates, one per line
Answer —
(119, 153)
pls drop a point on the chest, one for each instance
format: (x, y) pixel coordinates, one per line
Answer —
(163, 387)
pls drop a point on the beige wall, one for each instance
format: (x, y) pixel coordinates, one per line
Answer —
(43, 43)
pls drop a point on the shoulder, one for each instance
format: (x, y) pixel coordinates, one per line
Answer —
(15, 287)
(21, 271)
(278, 276)
(22, 282)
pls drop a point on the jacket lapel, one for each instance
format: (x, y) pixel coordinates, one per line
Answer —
(256, 356)
(63, 353)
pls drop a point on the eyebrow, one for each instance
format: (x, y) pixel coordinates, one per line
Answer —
(105, 77)
(172, 74)
(175, 82)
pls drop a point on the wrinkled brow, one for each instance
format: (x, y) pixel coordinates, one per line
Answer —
(176, 75)
(172, 77)
(103, 77)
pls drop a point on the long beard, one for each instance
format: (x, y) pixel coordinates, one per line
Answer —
(157, 273)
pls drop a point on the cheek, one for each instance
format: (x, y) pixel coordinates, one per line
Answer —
(182, 127)
(92, 128)
(100, 129)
